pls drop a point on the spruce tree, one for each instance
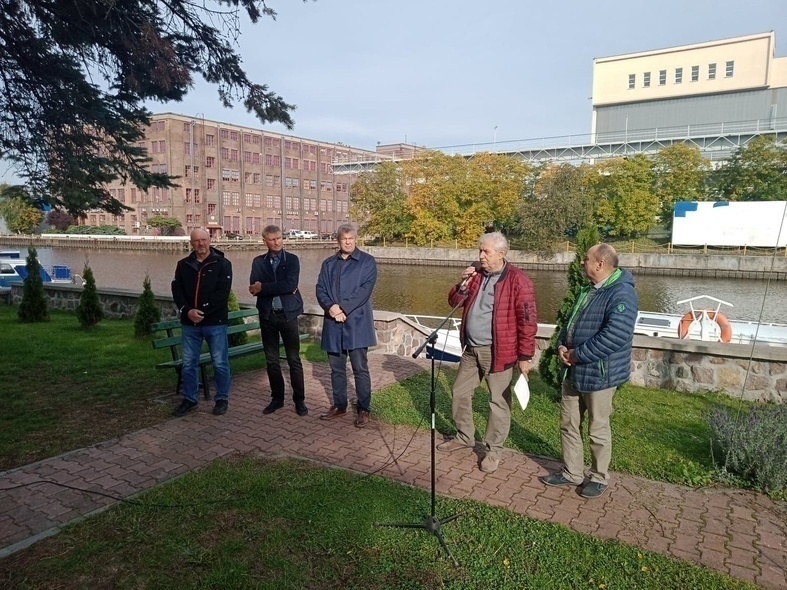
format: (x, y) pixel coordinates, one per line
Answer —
(550, 366)
(148, 311)
(89, 311)
(240, 337)
(34, 306)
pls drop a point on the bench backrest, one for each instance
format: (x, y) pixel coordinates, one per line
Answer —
(171, 329)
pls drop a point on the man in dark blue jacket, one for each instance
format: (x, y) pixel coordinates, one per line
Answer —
(344, 291)
(201, 290)
(595, 349)
(274, 281)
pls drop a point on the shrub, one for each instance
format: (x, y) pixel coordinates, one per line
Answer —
(753, 444)
(148, 311)
(34, 306)
(240, 337)
(89, 311)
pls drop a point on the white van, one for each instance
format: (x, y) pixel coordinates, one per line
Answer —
(300, 234)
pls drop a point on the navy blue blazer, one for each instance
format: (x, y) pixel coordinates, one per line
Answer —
(284, 284)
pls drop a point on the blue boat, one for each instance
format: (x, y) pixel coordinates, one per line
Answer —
(13, 269)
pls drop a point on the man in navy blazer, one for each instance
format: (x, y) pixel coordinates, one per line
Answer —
(274, 281)
(344, 291)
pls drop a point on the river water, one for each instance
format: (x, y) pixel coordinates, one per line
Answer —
(423, 289)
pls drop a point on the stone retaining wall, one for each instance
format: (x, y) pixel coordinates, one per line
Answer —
(681, 365)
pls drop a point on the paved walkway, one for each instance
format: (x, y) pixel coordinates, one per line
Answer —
(740, 533)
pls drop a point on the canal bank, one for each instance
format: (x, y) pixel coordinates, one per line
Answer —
(702, 265)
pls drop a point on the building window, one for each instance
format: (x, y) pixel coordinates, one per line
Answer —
(711, 71)
(247, 138)
(678, 75)
(257, 178)
(210, 140)
(225, 174)
(186, 127)
(211, 208)
(695, 73)
(234, 135)
(646, 80)
(210, 162)
(225, 153)
(224, 133)
(225, 198)
(211, 183)
(632, 81)
(730, 69)
(235, 175)
(662, 77)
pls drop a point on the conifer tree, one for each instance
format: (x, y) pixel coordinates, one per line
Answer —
(34, 306)
(89, 311)
(550, 366)
(148, 311)
(240, 337)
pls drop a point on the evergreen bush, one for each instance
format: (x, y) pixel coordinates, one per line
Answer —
(240, 337)
(148, 311)
(550, 367)
(34, 306)
(89, 311)
(753, 444)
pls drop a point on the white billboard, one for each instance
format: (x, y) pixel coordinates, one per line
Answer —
(721, 223)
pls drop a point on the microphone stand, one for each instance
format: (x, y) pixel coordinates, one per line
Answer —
(432, 524)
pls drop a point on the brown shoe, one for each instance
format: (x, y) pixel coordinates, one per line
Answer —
(334, 412)
(453, 445)
(362, 419)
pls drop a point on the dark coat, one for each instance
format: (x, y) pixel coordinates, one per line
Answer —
(203, 286)
(354, 296)
(514, 323)
(603, 332)
(284, 284)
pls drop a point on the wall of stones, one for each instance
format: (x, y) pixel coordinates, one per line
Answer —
(754, 373)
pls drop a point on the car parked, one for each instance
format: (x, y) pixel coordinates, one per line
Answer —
(231, 235)
(300, 234)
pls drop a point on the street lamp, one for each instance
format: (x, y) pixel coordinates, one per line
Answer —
(494, 140)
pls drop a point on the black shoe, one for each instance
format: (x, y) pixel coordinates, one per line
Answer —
(184, 408)
(220, 407)
(557, 479)
(592, 489)
(301, 409)
(273, 406)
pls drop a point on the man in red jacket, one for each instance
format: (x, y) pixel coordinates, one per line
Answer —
(498, 331)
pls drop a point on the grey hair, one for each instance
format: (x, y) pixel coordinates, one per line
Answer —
(346, 228)
(608, 254)
(498, 240)
(270, 229)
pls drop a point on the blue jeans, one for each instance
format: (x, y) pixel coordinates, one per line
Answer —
(191, 343)
(363, 381)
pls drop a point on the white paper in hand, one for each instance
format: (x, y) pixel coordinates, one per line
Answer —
(522, 391)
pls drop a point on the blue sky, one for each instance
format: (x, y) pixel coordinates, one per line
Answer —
(443, 73)
(446, 72)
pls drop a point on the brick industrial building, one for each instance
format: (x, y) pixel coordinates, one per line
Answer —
(236, 179)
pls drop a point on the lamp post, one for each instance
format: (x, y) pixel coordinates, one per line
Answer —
(191, 173)
(494, 140)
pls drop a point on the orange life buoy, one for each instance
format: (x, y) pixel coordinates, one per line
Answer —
(718, 317)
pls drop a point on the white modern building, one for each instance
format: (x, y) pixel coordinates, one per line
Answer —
(729, 81)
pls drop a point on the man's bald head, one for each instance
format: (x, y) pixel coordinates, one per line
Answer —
(200, 243)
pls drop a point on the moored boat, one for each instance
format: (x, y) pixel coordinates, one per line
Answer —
(13, 269)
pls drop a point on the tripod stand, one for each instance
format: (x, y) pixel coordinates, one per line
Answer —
(432, 524)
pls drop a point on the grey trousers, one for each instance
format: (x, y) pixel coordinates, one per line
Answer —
(598, 406)
(473, 366)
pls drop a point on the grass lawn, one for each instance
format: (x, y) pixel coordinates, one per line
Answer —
(658, 434)
(246, 523)
(63, 388)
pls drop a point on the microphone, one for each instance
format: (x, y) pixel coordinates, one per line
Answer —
(478, 268)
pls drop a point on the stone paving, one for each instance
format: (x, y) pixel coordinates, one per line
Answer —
(743, 534)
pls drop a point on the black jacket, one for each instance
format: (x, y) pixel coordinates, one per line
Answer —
(203, 286)
(284, 284)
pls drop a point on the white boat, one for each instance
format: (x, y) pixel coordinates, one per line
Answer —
(13, 268)
(708, 324)
(699, 323)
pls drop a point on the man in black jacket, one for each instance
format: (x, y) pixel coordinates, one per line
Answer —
(274, 281)
(201, 289)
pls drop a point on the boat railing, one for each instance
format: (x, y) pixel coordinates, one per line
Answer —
(432, 321)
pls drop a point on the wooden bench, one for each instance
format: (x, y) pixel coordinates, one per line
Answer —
(172, 341)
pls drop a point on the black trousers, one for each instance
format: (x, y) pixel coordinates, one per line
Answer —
(271, 330)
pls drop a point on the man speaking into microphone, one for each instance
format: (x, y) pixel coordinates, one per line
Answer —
(498, 331)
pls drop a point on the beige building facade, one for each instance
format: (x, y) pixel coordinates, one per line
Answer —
(236, 179)
(729, 80)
